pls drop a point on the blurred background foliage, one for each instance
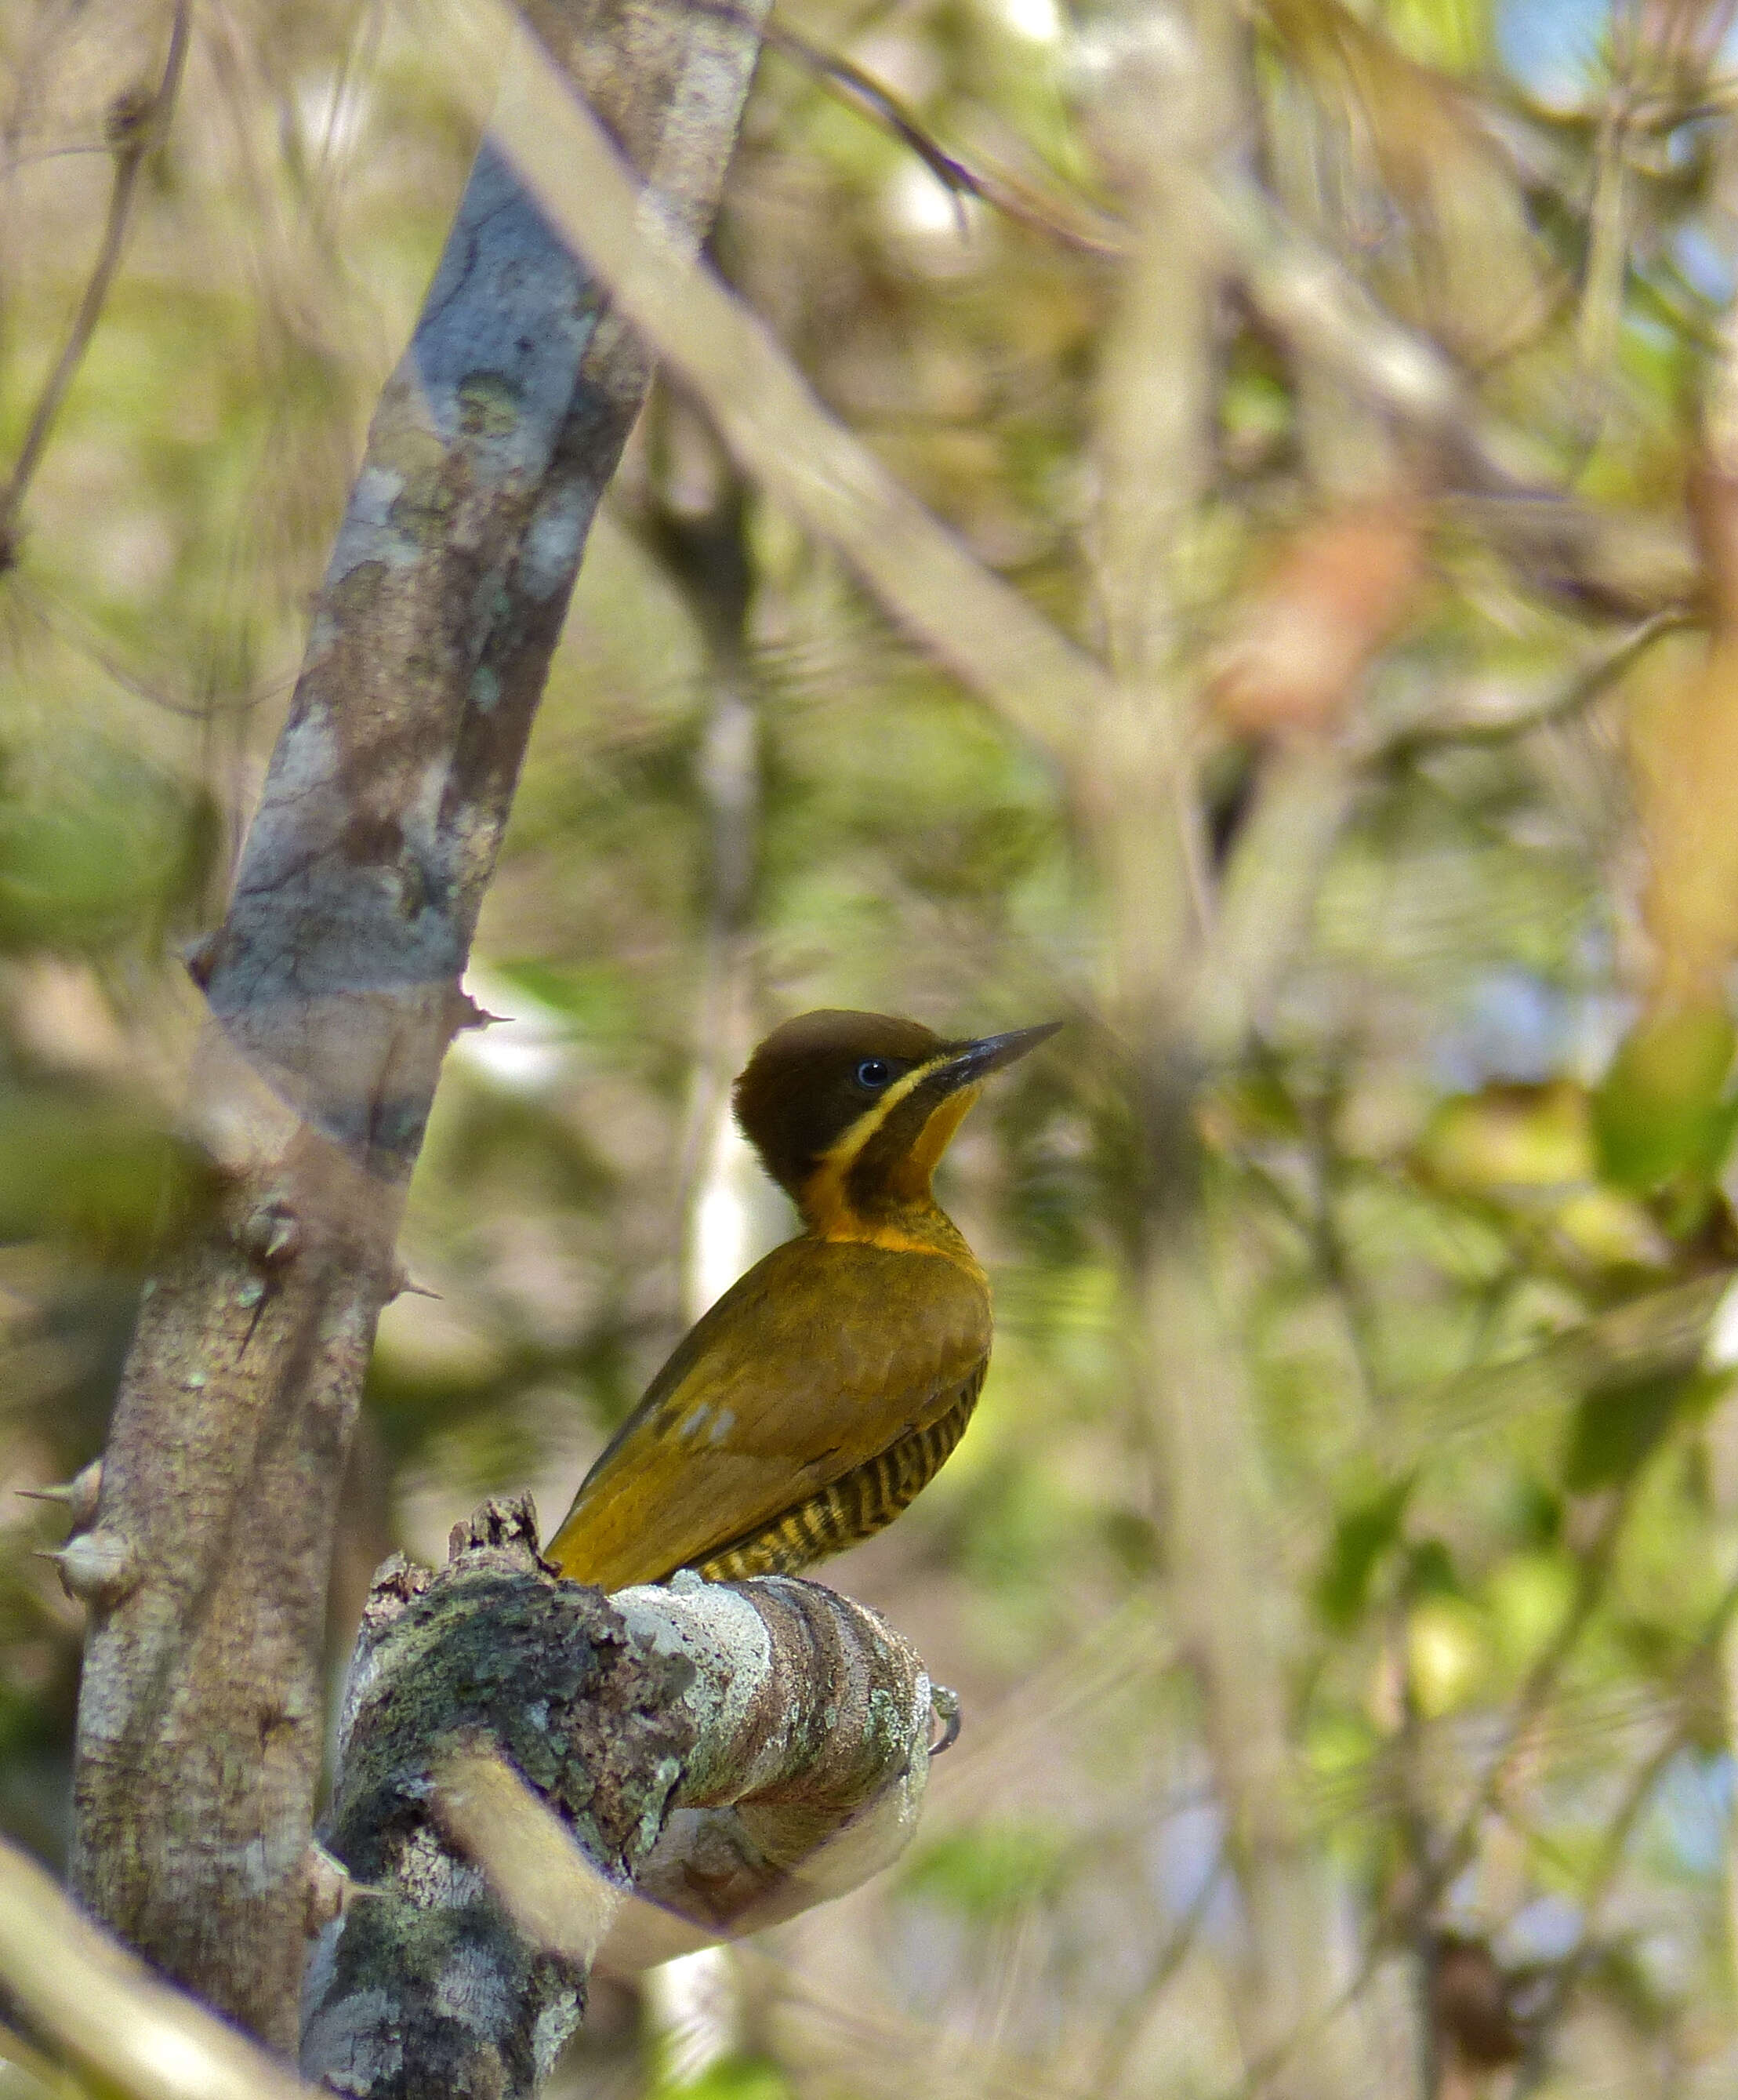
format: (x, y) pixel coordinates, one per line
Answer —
(1467, 1184)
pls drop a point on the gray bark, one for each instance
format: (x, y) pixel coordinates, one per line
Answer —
(334, 981)
(734, 1752)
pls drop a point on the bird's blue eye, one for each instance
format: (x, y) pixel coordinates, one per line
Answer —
(874, 1074)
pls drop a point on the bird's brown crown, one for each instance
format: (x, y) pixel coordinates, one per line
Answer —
(817, 1078)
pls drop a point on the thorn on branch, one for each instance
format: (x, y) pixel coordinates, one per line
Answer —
(403, 1286)
(96, 1568)
(330, 1889)
(272, 1235)
(467, 1014)
(78, 1496)
(199, 959)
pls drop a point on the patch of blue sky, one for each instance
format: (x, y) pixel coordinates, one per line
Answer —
(1551, 47)
(1548, 1929)
(1517, 1025)
(1185, 1859)
(1692, 1811)
(1707, 263)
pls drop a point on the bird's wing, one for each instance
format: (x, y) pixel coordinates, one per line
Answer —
(819, 1358)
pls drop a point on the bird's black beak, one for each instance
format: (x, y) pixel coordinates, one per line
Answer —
(989, 1053)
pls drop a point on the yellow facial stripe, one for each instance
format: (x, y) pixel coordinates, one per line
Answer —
(937, 1134)
(826, 1203)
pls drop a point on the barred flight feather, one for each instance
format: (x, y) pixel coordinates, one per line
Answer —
(855, 1506)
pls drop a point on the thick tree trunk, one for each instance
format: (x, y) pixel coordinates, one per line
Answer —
(335, 980)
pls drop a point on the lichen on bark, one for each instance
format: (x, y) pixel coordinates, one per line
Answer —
(736, 1751)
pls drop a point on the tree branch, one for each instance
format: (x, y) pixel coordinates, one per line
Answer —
(734, 1752)
(1176, 101)
(335, 980)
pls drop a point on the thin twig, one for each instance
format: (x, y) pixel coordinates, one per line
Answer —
(69, 627)
(135, 126)
(895, 2053)
(1609, 259)
(10, 168)
(1373, 1786)
(861, 91)
(1598, 1885)
(1333, 1256)
(1000, 191)
(1590, 1575)
(1579, 691)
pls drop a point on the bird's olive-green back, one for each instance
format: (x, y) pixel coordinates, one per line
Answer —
(818, 1360)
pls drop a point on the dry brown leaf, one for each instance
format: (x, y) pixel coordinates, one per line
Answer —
(1339, 590)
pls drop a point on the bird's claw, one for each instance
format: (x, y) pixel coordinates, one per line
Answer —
(944, 1704)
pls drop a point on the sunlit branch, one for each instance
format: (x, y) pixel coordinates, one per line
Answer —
(334, 983)
(88, 1999)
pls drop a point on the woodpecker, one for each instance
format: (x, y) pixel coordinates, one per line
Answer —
(827, 1387)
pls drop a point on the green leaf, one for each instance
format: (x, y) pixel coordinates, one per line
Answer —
(1363, 1535)
(731, 2078)
(1660, 1109)
(1430, 1571)
(1615, 1430)
(75, 1165)
(987, 1873)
